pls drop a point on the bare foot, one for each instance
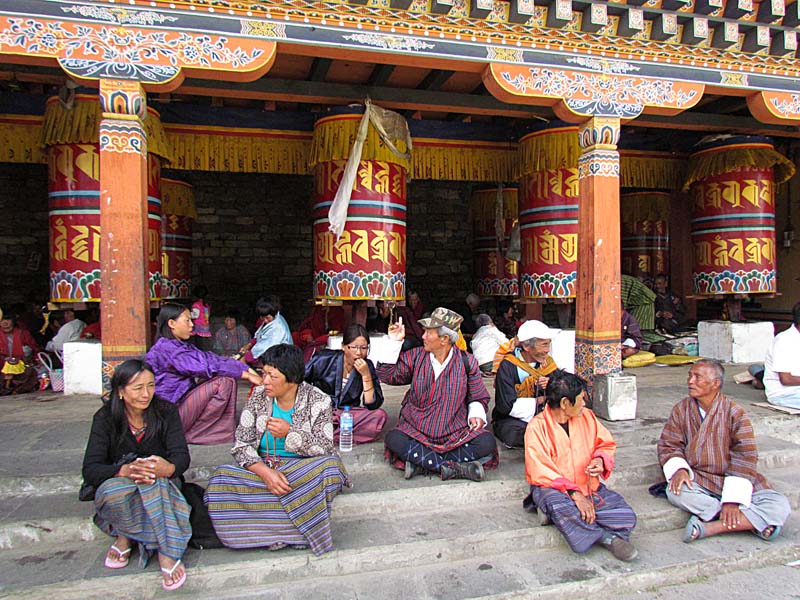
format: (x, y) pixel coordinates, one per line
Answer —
(119, 553)
(167, 565)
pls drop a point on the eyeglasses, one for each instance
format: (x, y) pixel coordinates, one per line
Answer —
(358, 348)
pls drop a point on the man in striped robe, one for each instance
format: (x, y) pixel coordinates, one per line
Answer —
(443, 415)
(708, 453)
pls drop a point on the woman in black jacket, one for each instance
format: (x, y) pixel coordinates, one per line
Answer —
(135, 457)
(349, 378)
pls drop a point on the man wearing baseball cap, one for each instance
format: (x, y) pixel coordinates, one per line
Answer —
(443, 415)
(521, 381)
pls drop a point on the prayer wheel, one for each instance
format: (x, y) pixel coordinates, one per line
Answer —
(494, 212)
(645, 233)
(74, 202)
(368, 260)
(548, 213)
(732, 186)
(177, 221)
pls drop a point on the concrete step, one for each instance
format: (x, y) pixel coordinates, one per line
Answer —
(478, 564)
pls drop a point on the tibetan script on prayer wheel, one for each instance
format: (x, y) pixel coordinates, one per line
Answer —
(494, 273)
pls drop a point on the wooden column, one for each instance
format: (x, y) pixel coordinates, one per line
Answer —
(598, 306)
(123, 222)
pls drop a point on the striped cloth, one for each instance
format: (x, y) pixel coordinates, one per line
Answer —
(155, 515)
(612, 514)
(246, 514)
(639, 300)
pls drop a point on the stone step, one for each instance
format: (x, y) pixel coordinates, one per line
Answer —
(471, 562)
(367, 468)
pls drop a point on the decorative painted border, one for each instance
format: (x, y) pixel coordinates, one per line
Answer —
(596, 358)
(497, 287)
(734, 282)
(549, 285)
(345, 285)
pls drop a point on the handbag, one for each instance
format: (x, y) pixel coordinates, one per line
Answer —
(87, 491)
(204, 535)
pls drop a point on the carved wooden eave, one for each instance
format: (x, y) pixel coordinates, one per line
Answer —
(511, 41)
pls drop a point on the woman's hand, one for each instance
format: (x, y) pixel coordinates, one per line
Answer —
(159, 466)
(276, 481)
(585, 507)
(147, 470)
(362, 367)
(595, 468)
(252, 377)
(397, 331)
(278, 427)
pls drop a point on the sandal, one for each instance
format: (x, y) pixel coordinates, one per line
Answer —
(694, 530)
(123, 559)
(774, 531)
(175, 584)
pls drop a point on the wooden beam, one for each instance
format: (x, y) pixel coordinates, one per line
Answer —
(319, 69)
(435, 80)
(710, 122)
(380, 75)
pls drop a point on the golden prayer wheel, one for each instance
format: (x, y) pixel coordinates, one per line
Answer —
(645, 233)
(495, 275)
(177, 221)
(548, 212)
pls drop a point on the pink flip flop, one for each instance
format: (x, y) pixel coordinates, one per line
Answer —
(111, 563)
(175, 584)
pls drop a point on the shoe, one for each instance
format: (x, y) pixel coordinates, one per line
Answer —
(175, 584)
(472, 470)
(412, 470)
(621, 549)
(694, 530)
(544, 518)
(111, 563)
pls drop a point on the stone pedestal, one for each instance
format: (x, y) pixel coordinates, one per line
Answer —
(83, 368)
(734, 342)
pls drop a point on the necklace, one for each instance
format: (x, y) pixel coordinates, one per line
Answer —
(137, 432)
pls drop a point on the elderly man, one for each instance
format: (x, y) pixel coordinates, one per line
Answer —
(782, 365)
(443, 415)
(708, 453)
(485, 343)
(521, 382)
(70, 330)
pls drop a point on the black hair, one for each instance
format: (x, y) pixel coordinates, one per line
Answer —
(233, 313)
(563, 384)
(268, 306)
(354, 331)
(796, 313)
(153, 414)
(8, 314)
(169, 312)
(287, 359)
(200, 291)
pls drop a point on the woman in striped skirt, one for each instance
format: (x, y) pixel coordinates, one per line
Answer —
(567, 451)
(135, 457)
(280, 493)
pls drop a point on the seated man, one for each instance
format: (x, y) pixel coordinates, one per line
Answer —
(521, 382)
(232, 337)
(708, 453)
(782, 365)
(443, 415)
(631, 335)
(468, 312)
(567, 451)
(273, 330)
(669, 308)
(69, 331)
(485, 343)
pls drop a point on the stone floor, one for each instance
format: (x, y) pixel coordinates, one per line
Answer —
(394, 538)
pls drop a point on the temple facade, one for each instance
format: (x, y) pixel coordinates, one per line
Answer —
(168, 142)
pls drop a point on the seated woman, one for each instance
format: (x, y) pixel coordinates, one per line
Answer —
(135, 458)
(207, 409)
(281, 492)
(567, 450)
(17, 351)
(272, 329)
(348, 376)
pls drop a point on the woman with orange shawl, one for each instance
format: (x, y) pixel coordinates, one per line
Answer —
(567, 450)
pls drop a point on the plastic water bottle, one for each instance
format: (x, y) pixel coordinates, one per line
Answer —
(346, 430)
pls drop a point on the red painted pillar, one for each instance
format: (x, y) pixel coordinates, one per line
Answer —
(597, 321)
(123, 221)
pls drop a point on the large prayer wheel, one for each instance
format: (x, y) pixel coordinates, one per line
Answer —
(732, 184)
(548, 213)
(177, 221)
(645, 233)
(368, 261)
(494, 212)
(74, 202)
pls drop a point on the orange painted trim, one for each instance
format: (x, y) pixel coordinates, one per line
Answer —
(762, 107)
(11, 119)
(731, 147)
(567, 129)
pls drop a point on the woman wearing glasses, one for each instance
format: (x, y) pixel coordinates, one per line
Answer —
(349, 378)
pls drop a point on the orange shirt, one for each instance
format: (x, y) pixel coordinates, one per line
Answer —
(556, 460)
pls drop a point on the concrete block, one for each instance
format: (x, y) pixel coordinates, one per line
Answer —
(83, 368)
(735, 342)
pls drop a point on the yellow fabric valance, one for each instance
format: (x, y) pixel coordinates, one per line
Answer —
(651, 170)
(456, 160)
(177, 198)
(334, 136)
(722, 159)
(19, 139)
(549, 149)
(81, 125)
(637, 207)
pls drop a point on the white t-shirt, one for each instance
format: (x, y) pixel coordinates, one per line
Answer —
(783, 356)
(485, 343)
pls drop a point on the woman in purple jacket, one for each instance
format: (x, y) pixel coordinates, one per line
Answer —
(202, 384)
